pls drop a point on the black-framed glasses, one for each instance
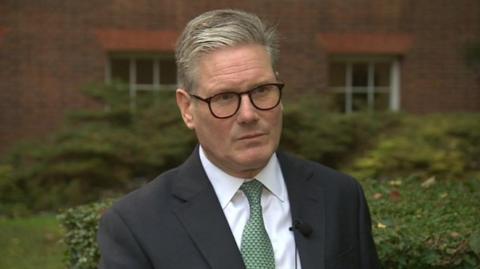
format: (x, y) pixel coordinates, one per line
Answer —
(226, 104)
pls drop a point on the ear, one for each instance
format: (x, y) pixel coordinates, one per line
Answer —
(184, 103)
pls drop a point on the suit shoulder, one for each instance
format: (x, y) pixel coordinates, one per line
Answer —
(153, 194)
(325, 175)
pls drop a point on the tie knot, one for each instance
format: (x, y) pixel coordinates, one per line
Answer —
(253, 190)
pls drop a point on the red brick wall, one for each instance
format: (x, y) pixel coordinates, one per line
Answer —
(49, 50)
(46, 57)
(435, 77)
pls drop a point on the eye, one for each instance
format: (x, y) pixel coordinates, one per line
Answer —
(225, 98)
(263, 90)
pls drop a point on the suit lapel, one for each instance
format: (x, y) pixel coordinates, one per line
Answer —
(307, 204)
(202, 216)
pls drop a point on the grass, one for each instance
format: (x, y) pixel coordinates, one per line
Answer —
(32, 242)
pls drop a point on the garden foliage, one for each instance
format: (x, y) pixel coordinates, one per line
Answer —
(332, 139)
(101, 153)
(415, 225)
(97, 153)
(430, 224)
(444, 146)
(109, 151)
(105, 153)
(81, 225)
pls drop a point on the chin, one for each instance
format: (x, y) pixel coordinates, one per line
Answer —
(256, 157)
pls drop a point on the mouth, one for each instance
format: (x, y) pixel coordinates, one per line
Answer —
(251, 136)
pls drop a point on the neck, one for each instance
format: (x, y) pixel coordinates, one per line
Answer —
(235, 170)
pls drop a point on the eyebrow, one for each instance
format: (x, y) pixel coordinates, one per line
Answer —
(256, 85)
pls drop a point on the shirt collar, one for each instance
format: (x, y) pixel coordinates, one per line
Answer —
(226, 186)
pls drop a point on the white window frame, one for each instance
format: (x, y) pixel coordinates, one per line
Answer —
(133, 87)
(393, 89)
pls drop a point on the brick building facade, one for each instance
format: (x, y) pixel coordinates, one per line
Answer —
(402, 55)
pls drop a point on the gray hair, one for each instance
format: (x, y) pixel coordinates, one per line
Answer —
(218, 29)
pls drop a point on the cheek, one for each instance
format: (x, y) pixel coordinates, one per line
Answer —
(276, 120)
(214, 132)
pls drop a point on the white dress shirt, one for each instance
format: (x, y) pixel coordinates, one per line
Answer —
(275, 207)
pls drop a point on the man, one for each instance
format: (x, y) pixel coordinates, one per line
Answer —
(236, 202)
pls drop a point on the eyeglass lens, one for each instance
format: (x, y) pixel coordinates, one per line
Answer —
(264, 97)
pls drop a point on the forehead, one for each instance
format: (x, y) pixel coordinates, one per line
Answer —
(234, 68)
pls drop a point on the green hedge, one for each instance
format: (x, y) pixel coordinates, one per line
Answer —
(107, 152)
(415, 225)
(96, 154)
(332, 139)
(444, 146)
(81, 225)
(426, 225)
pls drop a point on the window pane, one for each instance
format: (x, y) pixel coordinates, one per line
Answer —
(168, 71)
(339, 100)
(359, 102)
(368, 79)
(120, 69)
(382, 74)
(337, 72)
(381, 101)
(144, 71)
(360, 75)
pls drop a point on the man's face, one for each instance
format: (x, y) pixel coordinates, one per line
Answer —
(242, 144)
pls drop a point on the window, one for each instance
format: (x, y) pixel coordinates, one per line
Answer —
(143, 73)
(360, 84)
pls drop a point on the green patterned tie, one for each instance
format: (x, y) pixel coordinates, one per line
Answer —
(256, 248)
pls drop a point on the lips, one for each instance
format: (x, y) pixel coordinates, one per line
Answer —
(251, 136)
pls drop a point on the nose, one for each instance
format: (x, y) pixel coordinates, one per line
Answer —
(247, 112)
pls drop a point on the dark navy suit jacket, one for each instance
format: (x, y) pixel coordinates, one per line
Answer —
(176, 222)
